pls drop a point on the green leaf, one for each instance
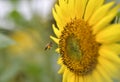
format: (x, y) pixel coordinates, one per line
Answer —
(33, 69)
(10, 72)
(5, 41)
(17, 18)
(14, 1)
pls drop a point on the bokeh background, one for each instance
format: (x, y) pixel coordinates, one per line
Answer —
(25, 27)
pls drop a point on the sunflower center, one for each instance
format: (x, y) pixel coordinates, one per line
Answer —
(78, 48)
(73, 48)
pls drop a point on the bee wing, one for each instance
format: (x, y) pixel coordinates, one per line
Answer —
(45, 48)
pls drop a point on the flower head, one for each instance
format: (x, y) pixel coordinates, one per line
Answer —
(87, 41)
(24, 42)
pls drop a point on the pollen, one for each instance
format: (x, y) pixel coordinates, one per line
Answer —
(78, 48)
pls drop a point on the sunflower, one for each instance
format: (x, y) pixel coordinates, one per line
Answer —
(87, 41)
(24, 42)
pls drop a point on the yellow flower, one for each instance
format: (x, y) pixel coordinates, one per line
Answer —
(24, 42)
(87, 41)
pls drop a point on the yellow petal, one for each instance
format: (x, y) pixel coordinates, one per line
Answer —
(112, 47)
(71, 8)
(111, 68)
(64, 8)
(97, 77)
(56, 40)
(91, 8)
(62, 3)
(59, 11)
(63, 15)
(56, 31)
(71, 77)
(60, 61)
(61, 71)
(100, 13)
(80, 8)
(104, 75)
(77, 78)
(58, 20)
(81, 79)
(88, 78)
(109, 34)
(110, 55)
(105, 21)
(65, 75)
(57, 50)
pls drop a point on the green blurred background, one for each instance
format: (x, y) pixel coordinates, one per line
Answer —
(25, 27)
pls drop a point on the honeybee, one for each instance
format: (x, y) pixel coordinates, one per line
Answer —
(48, 46)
